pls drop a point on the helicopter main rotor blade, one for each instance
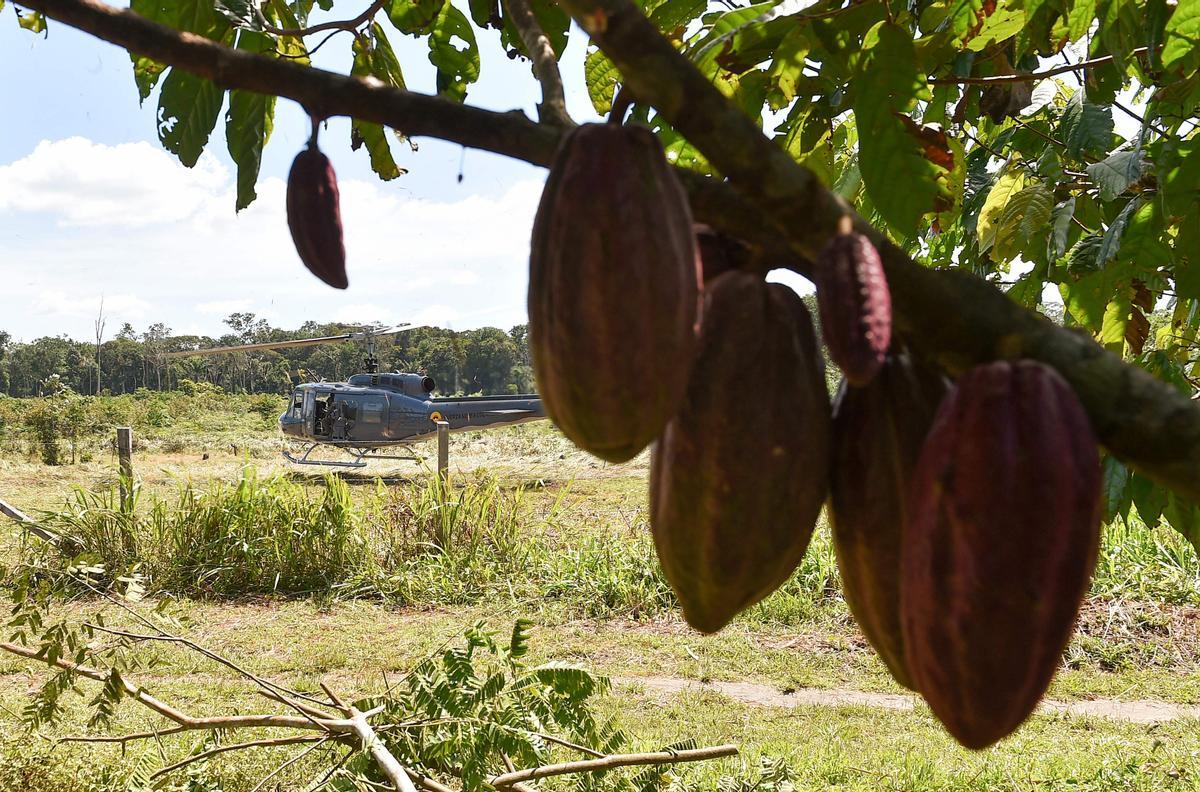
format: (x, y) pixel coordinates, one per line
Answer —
(299, 342)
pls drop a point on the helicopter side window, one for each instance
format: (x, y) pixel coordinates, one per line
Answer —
(372, 412)
(297, 404)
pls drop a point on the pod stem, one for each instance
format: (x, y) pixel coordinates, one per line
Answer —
(316, 129)
(620, 106)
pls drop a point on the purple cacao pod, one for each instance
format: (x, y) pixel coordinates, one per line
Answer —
(741, 472)
(315, 218)
(878, 431)
(1003, 536)
(614, 290)
(856, 306)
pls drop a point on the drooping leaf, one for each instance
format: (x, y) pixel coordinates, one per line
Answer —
(453, 50)
(1085, 128)
(414, 16)
(1111, 242)
(248, 124)
(188, 107)
(1182, 33)
(1114, 174)
(1002, 191)
(1117, 499)
(33, 21)
(900, 168)
(1024, 217)
(602, 77)
(1060, 227)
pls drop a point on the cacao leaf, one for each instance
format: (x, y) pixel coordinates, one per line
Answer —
(456, 68)
(1114, 174)
(1085, 128)
(1024, 218)
(188, 107)
(602, 77)
(1182, 50)
(1117, 498)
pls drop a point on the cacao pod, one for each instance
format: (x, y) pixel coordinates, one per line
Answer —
(739, 475)
(878, 431)
(719, 252)
(315, 217)
(614, 290)
(855, 304)
(1003, 536)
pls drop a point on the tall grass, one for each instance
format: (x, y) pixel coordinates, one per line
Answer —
(423, 543)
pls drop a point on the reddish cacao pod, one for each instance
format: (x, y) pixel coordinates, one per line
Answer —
(719, 252)
(856, 306)
(315, 217)
(740, 473)
(1003, 535)
(878, 431)
(614, 290)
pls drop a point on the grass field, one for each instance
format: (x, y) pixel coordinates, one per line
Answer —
(371, 577)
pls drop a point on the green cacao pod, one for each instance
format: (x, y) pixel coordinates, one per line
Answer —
(315, 218)
(856, 305)
(740, 473)
(1003, 535)
(878, 431)
(614, 290)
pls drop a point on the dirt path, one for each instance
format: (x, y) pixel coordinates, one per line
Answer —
(767, 696)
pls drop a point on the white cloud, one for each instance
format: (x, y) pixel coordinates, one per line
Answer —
(117, 307)
(131, 185)
(225, 307)
(165, 244)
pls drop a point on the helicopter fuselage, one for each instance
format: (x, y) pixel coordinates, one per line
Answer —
(375, 410)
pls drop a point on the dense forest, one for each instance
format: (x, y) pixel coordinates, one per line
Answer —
(484, 360)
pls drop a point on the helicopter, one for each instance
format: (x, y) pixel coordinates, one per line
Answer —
(374, 412)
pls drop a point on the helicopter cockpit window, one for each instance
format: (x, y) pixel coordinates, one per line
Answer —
(372, 412)
(297, 404)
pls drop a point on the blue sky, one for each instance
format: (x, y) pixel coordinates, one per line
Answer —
(91, 205)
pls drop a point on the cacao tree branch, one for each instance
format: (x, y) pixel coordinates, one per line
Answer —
(951, 316)
(553, 109)
(1001, 79)
(350, 25)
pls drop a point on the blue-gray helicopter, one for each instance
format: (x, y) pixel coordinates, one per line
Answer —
(374, 412)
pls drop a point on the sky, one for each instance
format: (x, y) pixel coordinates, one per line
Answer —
(92, 206)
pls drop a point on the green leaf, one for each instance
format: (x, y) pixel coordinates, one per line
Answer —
(188, 108)
(414, 16)
(898, 166)
(1115, 489)
(674, 14)
(1024, 217)
(1005, 187)
(364, 133)
(1111, 242)
(1086, 128)
(1184, 517)
(602, 77)
(1115, 322)
(1182, 49)
(33, 21)
(382, 61)
(1149, 498)
(248, 124)
(1060, 226)
(1114, 174)
(1079, 20)
(456, 68)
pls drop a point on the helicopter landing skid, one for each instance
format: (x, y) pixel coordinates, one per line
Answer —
(361, 457)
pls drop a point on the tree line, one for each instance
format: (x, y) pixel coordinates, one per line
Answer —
(484, 360)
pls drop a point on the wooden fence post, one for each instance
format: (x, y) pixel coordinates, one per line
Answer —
(443, 438)
(125, 457)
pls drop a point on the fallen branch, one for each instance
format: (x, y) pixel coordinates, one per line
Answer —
(220, 749)
(953, 317)
(611, 762)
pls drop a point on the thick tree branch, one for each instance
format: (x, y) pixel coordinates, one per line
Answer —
(553, 109)
(951, 316)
